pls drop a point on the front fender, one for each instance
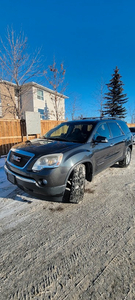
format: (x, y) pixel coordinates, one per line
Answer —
(83, 157)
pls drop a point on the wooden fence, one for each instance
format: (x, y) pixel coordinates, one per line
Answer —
(14, 131)
(131, 124)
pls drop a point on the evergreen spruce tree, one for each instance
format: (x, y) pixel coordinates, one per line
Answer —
(115, 97)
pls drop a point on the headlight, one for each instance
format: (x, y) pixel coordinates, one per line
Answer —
(48, 161)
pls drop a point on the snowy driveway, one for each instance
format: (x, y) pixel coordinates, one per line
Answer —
(62, 251)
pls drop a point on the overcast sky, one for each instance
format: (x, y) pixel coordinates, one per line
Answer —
(91, 37)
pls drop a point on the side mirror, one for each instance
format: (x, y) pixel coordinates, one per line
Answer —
(101, 139)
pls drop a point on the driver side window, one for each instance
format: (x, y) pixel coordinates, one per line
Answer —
(103, 130)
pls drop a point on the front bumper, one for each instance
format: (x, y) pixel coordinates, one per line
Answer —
(31, 185)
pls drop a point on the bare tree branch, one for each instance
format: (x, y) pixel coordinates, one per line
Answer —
(17, 66)
(55, 77)
(132, 114)
(99, 96)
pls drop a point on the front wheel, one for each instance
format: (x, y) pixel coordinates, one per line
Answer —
(76, 184)
(126, 161)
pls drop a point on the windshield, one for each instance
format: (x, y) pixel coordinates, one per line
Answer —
(70, 132)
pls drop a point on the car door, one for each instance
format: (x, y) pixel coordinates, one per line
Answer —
(117, 141)
(101, 150)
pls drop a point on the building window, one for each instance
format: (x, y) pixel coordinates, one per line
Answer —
(42, 114)
(40, 94)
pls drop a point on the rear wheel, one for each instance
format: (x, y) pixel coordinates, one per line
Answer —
(76, 184)
(126, 161)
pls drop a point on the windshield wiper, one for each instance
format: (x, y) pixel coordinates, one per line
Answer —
(62, 139)
(57, 139)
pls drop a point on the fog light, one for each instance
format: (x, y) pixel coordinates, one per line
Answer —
(44, 181)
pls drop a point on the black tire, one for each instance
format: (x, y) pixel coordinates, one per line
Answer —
(126, 161)
(76, 184)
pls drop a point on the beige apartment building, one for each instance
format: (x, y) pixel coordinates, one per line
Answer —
(33, 97)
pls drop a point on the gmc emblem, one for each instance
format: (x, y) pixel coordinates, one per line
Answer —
(16, 158)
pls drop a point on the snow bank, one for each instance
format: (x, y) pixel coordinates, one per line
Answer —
(2, 162)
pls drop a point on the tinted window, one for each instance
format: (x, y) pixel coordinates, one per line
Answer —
(123, 126)
(132, 129)
(115, 129)
(103, 130)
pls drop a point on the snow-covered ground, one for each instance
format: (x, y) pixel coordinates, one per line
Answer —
(54, 251)
(2, 162)
(5, 186)
(3, 179)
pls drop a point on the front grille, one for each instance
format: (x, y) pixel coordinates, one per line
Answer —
(18, 159)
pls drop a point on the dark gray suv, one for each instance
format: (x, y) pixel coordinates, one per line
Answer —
(57, 165)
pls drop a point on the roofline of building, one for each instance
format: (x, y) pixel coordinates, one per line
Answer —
(8, 82)
(32, 83)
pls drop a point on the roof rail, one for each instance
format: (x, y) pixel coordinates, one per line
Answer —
(90, 118)
(102, 118)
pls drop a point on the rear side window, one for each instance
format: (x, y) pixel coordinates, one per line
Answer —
(132, 129)
(124, 126)
(115, 129)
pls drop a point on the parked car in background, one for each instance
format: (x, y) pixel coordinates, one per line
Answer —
(132, 129)
(59, 163)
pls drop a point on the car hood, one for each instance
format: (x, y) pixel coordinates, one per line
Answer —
(45, 146)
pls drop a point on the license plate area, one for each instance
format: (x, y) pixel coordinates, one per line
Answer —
(11, 178)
